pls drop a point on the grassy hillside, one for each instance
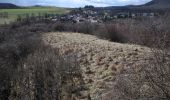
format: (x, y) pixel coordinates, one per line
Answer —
(100, 60)
(13, 13)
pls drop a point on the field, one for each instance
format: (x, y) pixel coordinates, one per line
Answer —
(13, 13)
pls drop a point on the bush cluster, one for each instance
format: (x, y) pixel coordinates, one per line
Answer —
(30, 70)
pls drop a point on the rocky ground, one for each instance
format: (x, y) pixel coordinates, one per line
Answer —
(100, 60)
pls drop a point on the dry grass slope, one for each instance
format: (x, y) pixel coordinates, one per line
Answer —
(101, 60)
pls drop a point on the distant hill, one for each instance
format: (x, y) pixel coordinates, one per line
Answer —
(157, 4)
(154, 4)
(7, 6)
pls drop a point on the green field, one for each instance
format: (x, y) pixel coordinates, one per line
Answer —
(13, 13)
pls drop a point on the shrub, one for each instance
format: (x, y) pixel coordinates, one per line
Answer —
(111, 32)
(152, 80)
(59, 27)
(31, 70)
(45, 74)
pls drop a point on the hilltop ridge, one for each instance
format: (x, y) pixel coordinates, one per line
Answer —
(8, 6)
(154, 4)
(157, 4)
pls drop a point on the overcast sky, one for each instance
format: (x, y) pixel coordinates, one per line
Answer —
(76, 3)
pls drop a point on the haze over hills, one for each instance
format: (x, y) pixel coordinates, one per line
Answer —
(7, 6)
(158, 4)
(154, 4)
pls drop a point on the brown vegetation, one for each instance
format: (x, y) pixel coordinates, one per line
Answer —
(152, 79)
(29, 69)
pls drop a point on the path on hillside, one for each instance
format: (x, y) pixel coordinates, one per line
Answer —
(100, 60)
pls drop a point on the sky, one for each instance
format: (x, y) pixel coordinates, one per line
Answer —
(75, 3)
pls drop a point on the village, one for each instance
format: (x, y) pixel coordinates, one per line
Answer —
(98, 16)
(89, 14)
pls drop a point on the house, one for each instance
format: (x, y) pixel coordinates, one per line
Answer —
(151, 14)
(78, 19)
(92, 20)
(144, 14)
(133, 15)
(54, 19)
(115, 16)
